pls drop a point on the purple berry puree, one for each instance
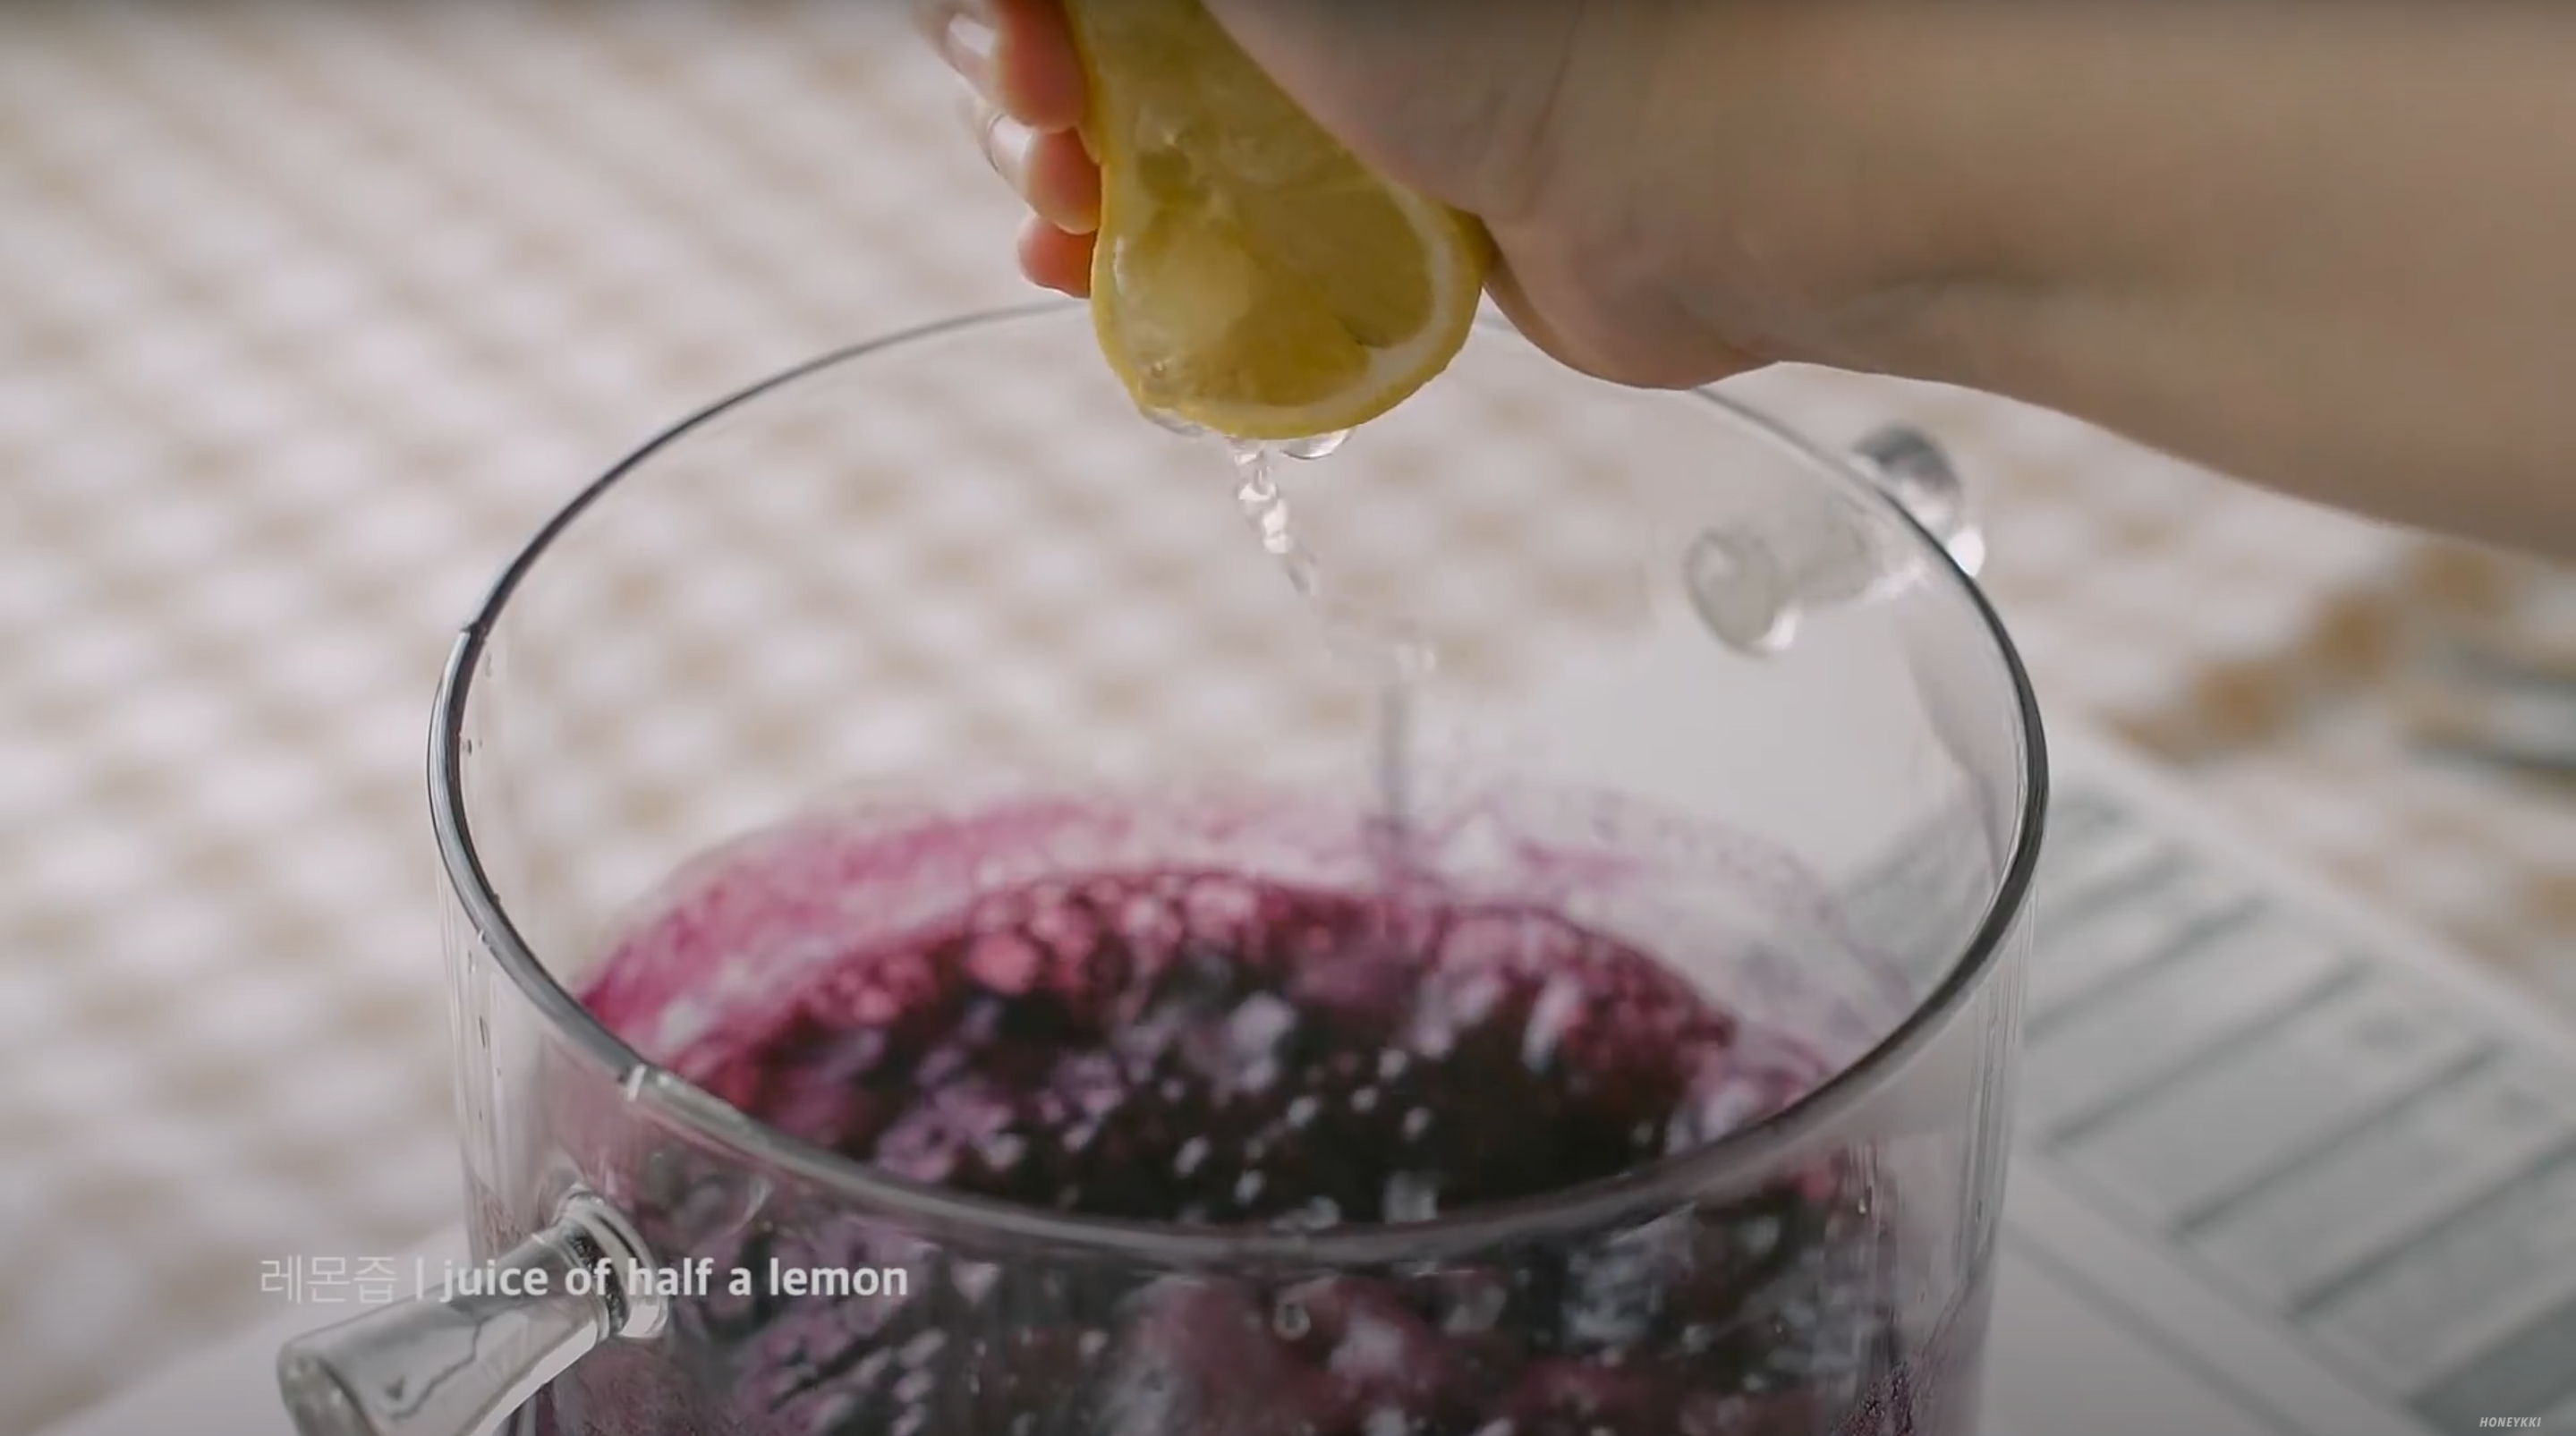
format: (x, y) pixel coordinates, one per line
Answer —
(1212, 1049)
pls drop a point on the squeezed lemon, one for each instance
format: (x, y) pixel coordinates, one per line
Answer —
(1252, 276)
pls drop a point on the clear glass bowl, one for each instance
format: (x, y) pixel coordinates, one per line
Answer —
(936, 631)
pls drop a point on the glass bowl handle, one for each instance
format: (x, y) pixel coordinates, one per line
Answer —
(1752, 582)
(459, 1365)
(1912, 468)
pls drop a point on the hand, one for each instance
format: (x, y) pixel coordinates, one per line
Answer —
(1575, 132)
(1018, 57)
(2317, 249)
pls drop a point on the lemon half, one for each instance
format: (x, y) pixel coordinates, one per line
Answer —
(1252, 276)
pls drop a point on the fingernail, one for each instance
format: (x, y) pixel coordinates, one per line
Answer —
(1006, 149)
(962, 32)
(1004, 142)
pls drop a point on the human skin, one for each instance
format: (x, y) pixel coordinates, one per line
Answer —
(2328, 248)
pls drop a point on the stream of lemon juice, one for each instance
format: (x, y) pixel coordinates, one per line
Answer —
(1392, 661)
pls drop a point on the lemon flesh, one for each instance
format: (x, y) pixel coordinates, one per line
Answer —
(1252, 276)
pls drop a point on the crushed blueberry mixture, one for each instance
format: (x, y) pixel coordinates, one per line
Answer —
(1214, 1050)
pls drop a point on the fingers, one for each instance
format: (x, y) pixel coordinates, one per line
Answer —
(1037, 75)
(1050, 170)
(1026, 96)
(1061, 182)
(1017, 54)
(961, 34)
(1053, 259)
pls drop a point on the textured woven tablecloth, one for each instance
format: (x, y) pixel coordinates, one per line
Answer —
(308, 313)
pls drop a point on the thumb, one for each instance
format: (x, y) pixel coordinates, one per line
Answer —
(1708, 363)
(1424, 91)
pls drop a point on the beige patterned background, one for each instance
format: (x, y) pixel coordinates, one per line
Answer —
(309, 312)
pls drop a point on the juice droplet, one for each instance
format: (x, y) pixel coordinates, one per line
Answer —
(1174, 423)
(1315, 447)
(1257, 490)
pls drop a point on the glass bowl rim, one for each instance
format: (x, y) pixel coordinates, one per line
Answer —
(1660, 1185)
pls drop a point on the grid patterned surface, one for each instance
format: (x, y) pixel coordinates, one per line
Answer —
(308, 313)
